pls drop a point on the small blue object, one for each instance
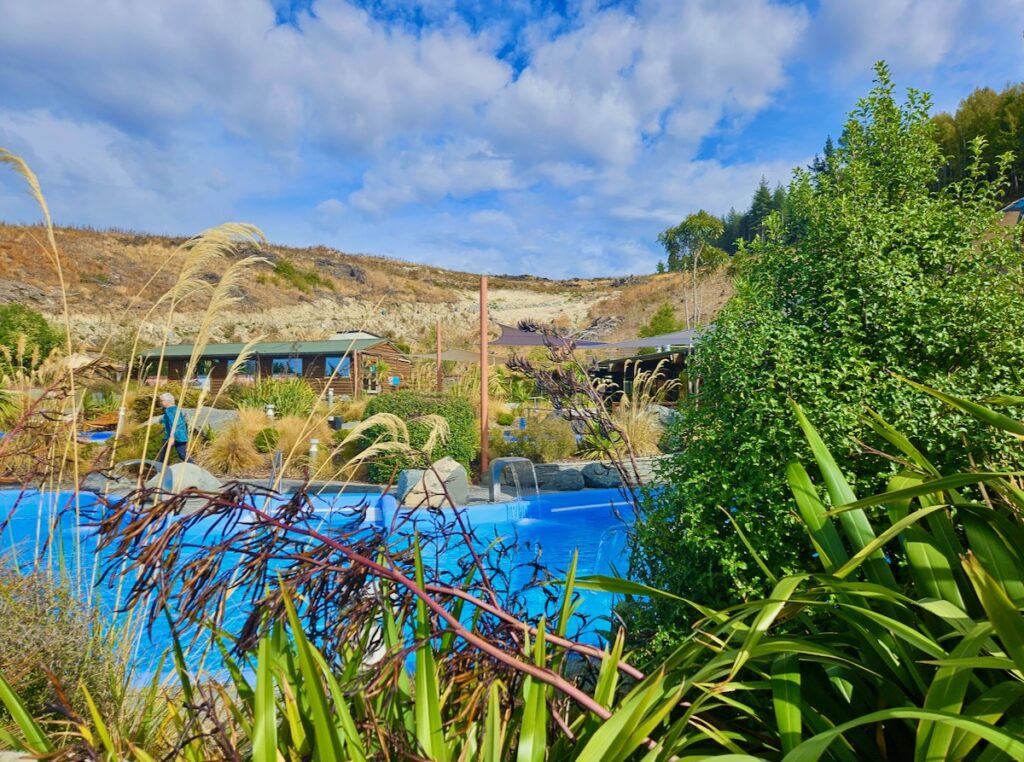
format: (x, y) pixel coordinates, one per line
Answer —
(96, 437)
(522, 423)
(396, 380)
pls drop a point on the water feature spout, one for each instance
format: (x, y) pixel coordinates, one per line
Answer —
(519, 466)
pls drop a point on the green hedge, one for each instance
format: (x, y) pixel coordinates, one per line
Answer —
(463, 442)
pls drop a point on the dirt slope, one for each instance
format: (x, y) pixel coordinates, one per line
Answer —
(114, 277)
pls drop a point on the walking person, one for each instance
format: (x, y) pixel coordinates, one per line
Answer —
(175, 429)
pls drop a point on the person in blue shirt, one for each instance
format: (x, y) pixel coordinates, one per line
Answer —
(175, 429)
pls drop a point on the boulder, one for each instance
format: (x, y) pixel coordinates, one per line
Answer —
(182, 476)
(426, 488)
(212, 418)
(565, 480)
(601, 476)
(663, 415)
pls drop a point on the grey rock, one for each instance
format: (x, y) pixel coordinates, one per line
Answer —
(601, 476)
(212, 418)
(427, 488)
(182, 476)
(663, 414)
(96, 482)
(566, 480)
(407, 479)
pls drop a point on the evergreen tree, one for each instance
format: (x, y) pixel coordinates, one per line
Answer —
(760, 208)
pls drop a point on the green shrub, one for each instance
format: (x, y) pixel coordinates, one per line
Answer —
(266, 439)
(97, 403)
(302, 279)
(289, 396)
(463, 443)
(133, 444)
(19, 323)
(543, 441)
(873, 272)
(44, 626)
(505, 418)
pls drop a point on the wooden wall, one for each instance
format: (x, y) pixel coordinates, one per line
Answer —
(313, 370)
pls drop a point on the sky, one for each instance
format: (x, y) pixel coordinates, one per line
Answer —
(546, 137)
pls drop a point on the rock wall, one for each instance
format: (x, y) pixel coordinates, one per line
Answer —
(573, 475)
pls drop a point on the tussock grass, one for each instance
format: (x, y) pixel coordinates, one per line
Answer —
(232, 452)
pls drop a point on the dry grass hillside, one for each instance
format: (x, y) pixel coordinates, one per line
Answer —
(113, 278)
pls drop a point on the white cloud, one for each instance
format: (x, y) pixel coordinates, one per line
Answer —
(668, 70)
(423, 175)
(341, 79)
(383, 135)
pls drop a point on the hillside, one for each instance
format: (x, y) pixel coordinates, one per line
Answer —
(114, 277)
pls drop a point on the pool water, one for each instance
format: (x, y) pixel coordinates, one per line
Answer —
(547, 529)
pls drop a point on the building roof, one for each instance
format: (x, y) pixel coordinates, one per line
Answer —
(349, 335)
(283, 348)
(517, 337)
(685, 338)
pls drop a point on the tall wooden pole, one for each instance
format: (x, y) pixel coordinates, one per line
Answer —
(440, 368)
(484, 324)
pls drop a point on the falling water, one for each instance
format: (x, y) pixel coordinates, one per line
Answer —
(610, 548)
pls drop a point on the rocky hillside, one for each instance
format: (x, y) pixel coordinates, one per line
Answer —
(113, 279)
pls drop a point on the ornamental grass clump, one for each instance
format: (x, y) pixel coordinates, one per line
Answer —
(233, 452)
(52, 645)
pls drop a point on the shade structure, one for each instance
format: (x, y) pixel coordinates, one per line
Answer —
(517, 337)
(1013, 213)
(451, 355)
(685, 338)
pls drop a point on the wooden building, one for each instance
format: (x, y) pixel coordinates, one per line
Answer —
(361, 364)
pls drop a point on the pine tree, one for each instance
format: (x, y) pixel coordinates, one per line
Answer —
(760, 208)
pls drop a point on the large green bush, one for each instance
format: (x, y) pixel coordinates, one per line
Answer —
(463, 443)
(873, 273)
(18, 323)
(289, 396)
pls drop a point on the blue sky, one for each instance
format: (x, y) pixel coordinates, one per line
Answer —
(555, 137)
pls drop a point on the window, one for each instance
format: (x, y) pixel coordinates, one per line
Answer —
(342, 364)
(248, 368)
(285, 367)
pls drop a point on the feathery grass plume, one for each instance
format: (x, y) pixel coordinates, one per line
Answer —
(200, 254)
(439, 432)
(236, 367)
(637, 422)
(225, 294)
(392, 435)
(52, 252)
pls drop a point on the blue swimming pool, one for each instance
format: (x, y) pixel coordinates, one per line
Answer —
(546, 528)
